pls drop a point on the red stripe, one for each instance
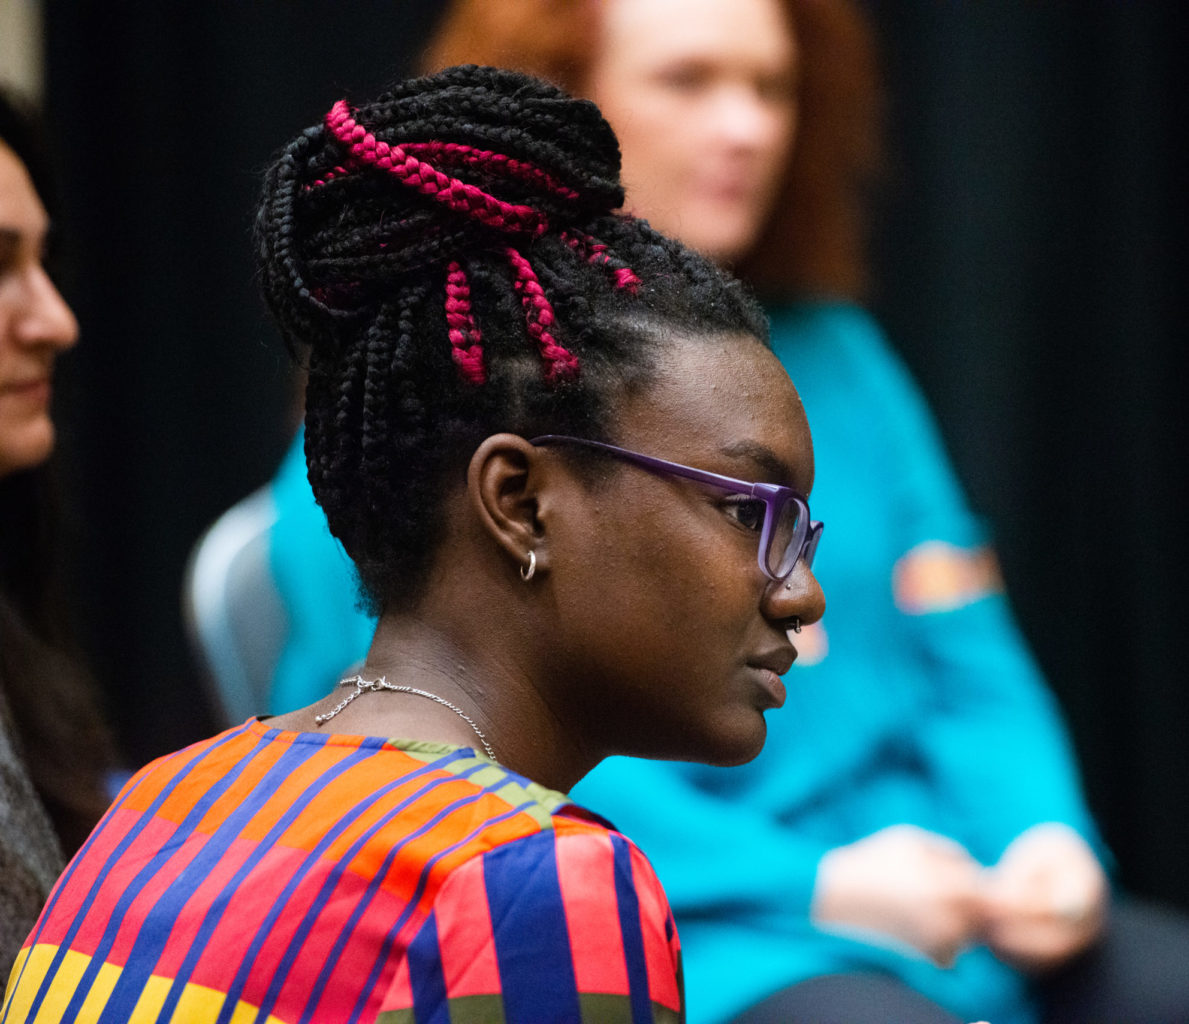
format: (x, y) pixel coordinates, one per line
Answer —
(586, 873)
(660, 953)
(465, 935)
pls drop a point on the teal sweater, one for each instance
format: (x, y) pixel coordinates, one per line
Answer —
(926, 711)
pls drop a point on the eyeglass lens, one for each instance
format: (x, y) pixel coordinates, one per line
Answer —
(788, 536)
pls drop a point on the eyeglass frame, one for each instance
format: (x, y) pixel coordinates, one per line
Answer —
(774, 497)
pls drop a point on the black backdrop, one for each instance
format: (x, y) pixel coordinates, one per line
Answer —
(1028, 269)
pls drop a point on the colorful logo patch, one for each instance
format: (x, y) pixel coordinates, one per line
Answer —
(939, 577)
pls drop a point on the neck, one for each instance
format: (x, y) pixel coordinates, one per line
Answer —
(477, 670)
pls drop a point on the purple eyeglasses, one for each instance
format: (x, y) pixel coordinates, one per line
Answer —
(787, 536)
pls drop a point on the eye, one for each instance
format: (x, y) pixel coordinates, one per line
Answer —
(777, 88)
(685, 77)
(8, 253)
(747, 512)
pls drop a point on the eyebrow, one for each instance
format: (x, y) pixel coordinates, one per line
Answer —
(763, 457)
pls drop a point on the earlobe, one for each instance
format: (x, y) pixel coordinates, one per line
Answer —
(503, 481)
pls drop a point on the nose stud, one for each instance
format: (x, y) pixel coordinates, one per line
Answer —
(795, 621)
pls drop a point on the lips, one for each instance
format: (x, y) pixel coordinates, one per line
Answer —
(35, 389)
(769, 668)
(773, 686)
(778, 661)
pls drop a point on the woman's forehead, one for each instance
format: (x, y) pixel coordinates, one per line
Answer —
(722, 403)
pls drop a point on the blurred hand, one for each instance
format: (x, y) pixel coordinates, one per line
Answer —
(1045, 900)
(914, 885)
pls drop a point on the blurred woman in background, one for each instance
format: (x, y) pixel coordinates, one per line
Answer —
(54, 750)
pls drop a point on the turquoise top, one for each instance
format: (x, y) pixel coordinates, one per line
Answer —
(912, 703)
(328, 630)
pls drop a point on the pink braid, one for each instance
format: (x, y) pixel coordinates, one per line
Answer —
(458, 195)
(454, 153)
(596, 252)
(560, 363)
(336, 172)
(465, 349)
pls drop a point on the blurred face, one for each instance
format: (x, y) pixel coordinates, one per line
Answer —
(702, 96)
(35, 322)
(674, 637)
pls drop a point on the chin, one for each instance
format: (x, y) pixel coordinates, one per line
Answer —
(723, 251)
(29, 448)
(730, 744)
(724, 238)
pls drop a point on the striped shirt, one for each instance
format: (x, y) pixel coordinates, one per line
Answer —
(274, 876)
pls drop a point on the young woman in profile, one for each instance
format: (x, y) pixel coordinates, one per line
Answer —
(573, 478)
(912, 847)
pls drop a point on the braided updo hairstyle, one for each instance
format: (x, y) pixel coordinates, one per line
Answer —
(448, 256)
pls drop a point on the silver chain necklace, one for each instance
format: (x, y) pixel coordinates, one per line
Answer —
(376, 685)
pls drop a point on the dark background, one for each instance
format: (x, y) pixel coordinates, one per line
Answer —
(1028, 260)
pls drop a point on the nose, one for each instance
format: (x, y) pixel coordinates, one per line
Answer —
(43, 318)
(748, 119)
(798, 597)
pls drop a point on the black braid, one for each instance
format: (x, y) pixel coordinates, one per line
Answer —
(354, 262)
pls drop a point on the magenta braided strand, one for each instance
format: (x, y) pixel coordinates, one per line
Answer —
(458, 195)
(454, 153)
(335, 172)
(626, 279)
(560, 363)
(465, 349)
(596, 252)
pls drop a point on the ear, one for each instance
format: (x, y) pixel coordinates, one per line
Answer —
(503, 484)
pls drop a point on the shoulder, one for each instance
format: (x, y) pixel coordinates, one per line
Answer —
(828, 322)
(570, 913)
(838, 347)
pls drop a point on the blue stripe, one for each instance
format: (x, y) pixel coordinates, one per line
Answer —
(628, 903)
(154, 935)
(369, 894)
(318, 904)
(118, 1009)
(422, 881)
(528, 920)
(199, 756)
(425, 974)
(63, 882)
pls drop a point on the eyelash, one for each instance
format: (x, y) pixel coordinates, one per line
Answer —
(734, 505)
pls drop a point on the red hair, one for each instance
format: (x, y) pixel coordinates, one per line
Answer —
(814, 242)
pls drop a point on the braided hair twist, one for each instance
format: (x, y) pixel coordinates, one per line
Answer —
(449, 257)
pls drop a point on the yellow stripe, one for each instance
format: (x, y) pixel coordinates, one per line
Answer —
(197, 1002)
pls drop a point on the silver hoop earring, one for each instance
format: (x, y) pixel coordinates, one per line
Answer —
(527, 572)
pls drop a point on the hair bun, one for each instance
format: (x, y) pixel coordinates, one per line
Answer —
(420, 176)
(523, 141)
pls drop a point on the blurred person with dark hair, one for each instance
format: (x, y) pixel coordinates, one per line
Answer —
(54, 750)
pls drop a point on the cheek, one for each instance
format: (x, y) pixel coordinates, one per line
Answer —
(655, 173)
(673, 583)
(778, 146)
